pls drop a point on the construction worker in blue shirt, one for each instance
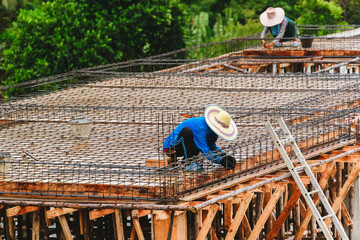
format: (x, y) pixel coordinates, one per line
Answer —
(199, 135)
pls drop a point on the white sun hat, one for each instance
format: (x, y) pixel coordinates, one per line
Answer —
(220, 122)
(272, 16)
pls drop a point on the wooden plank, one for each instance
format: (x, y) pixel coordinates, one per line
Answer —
(18, 210)
(265, 215)
(136, 223)
(36, 225)
(305, 179)
(284, 214)
(301, 53)
(161, 226)
(207, 222)
(180, 227)
(100, 213)
(65, 227)
(240, 213)
(119, 228)
(144, 212)
(56, 212)
(155, 162)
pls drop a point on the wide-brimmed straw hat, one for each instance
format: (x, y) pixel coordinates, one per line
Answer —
(272, 16)
(220, 122)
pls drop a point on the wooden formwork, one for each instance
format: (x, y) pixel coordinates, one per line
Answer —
(270, 210)
(274, 210)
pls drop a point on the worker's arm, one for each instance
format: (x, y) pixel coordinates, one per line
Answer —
(263, 35)
(212, 152)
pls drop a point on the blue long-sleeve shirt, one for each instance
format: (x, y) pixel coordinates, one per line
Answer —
(204, 138)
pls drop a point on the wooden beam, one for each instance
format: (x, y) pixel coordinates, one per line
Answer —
(302, 208)
(36, 225)
(81, 221)
(65, 227)
(180, 227)
(344, 190)
(56, 212)
(228, 213)
(100, 213)
(344, 212)
(136, 222)
(352, 158)
(18, 210)
(207, 222)
(267, 211)
(246, 226)
(133, 233)
(9, 228)
(330, 170)
(119, 228)
(240, 213)
(160, 215)
(284, 214)
(213, 232)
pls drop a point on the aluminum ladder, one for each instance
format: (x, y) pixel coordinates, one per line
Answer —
(289, 140)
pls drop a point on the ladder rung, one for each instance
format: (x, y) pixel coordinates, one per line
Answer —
(312, 192)
(327, 216)
(286, 142)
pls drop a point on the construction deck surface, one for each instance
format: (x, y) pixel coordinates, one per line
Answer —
(124, 138)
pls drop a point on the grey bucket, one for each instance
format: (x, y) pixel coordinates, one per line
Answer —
(306, 40)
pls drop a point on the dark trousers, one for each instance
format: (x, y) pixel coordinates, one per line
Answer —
(185, 145)
(290, 32)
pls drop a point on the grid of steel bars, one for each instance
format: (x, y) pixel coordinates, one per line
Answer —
(135, 105)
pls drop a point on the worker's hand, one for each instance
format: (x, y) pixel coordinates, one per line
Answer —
(270, 45)
(263, 43)
(228, 162)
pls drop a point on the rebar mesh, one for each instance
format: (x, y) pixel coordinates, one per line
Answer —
(135, 105)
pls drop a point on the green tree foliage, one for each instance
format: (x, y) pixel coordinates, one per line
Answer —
(351, 10)
(319, 12)
(63, 35)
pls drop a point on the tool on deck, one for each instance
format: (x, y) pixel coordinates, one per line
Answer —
(289, 140)
(30, 155)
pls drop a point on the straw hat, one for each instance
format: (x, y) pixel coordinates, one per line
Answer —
(272, 16)
(220, 122)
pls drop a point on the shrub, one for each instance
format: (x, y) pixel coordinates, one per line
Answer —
(63, 35)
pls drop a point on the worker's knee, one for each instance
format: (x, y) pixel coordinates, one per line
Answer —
(186, 132)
